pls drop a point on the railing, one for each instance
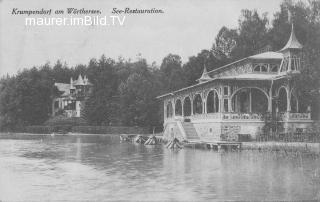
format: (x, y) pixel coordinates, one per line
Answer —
(284, 116)
(241, 116)
(206, 116)
(289, 137)
(300, 116)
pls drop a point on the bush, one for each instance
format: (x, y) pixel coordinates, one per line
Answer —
(63, 120)
(110, 130)
(39, 129)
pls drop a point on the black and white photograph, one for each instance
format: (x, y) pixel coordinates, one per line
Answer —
(159, 100)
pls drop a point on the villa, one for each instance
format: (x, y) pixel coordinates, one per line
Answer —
(235, 99)
(72, 96)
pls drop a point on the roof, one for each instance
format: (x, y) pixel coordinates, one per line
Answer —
(249, 76)
(204, 76)
(63, 87)
(252, 76)
(267, 55)
(79, 81)
(293, 42)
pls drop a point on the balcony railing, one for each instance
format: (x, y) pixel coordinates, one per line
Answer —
(205, 116)
(239, 116)
(284, 116)
(242, 116)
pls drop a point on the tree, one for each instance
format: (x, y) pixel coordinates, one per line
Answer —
(252, 34)
(172, 73)
(98, 108)
(137, 96)
(225, 42)
(194, 67)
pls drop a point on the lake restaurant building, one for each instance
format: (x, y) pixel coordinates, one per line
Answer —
(234, 98)
(73, 94)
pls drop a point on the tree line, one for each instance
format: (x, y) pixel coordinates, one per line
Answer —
(124, 91)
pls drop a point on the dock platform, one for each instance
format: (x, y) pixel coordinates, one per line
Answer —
(216, 145)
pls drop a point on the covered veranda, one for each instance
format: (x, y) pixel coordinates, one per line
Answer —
(230, 99)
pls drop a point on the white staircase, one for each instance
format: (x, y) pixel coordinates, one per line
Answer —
(190, 131)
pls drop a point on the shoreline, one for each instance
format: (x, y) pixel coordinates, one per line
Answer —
(71, 134)
(308, 147)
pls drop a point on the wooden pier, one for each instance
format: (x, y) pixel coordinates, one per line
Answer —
(193, 143)
(216, 145)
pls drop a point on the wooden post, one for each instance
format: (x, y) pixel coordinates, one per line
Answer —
(191, 105)
(214, 101)
(250, 101)
(182, 108)
(173, 108)
(288, 100)
(164, 110)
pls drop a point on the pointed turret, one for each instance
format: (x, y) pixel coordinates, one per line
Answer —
(204, 77)
(293, 42)
(292, 53)
(71, 83)
(79, 81)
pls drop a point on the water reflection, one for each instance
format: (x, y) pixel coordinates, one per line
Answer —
(100, 168)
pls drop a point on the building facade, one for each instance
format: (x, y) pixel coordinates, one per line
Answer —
(73, 95)
(240, 98)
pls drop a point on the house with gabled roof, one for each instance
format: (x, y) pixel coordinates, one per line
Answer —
(72, 97)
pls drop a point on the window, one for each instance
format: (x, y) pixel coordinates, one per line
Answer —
(284, 65)
(295, 63)
(260, 68)
(274, 68)
(226, 90)
(225, 105)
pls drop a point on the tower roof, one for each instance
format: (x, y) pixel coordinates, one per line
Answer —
(204, 76)
(71, 83)
(79, 81)
(293, 42)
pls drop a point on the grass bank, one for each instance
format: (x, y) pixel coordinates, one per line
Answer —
(307, 147)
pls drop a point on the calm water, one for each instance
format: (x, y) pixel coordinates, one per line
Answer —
(102, 168)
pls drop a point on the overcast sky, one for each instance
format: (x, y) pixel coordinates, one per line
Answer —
(185, 28)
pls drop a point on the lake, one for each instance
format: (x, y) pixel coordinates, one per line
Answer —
(101, 168)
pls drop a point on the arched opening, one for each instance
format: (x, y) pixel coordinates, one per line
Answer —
(303, 107)
(197, 104)
(178, 108)
(212, 102)
(169, 110)
(259, 101)
(294, 103)
(249, 100)
(187, 107)
(260, 68)
(282, 100)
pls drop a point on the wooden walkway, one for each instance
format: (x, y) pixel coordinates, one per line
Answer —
(217, 145)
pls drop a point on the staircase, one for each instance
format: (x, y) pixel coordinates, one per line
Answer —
(190, 131)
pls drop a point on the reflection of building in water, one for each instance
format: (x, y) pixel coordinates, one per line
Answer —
(234, 98)
(72, 97)
(78, 154)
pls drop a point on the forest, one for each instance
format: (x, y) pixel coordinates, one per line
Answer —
(126, 90)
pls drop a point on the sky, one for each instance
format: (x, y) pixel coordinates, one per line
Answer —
(185, 28)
